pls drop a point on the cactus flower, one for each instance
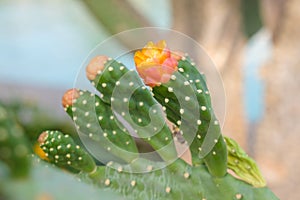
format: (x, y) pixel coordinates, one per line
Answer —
(155, 63)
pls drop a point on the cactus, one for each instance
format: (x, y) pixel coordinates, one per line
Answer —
(124, 97)
(13, 145)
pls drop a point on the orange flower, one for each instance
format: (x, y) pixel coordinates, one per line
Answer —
(155, 63)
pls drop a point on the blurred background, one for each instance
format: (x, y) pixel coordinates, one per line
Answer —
(254, 44)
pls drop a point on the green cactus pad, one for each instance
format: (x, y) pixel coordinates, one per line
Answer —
(95, 119)
(187, 101)
(13, 145)
(243, 166)
(60, 149)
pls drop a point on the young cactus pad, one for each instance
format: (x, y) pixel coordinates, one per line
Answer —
(183, 92)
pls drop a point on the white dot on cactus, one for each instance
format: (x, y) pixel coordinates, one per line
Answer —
(164, 108)
(186, 175)
(206, 92)
(111, 117)
(65, 109)
(110, 69)
(125, 100)
(56, 156)
(155, 128)
(97, 104)
(131, 83)
(51, 149)
(187, 76)
(109, 163)
(199, 91)
(44, 148)
(68, 155)
(216, 140)
(101, 95)
(58, 147)
(118, 83)
(199, 122)
(114, 132)
(77, 147)
(123, 113)
(203, 198)
(69, 162)
(141, 103)
(200, 149)
(191, 81)
(79, 158)
(148, 138)
(183, 58)
(203, 108)
(173, 77)
(238, 196)
(99, 72)
(88, 125)
(84, 102)
(143, 88)
(170, 89)
(100, 118)
(86, 114)
(122, 68)
(187, 98)
(127, 143)
(69, 146)
(166, 100)
(120, 169)
(112, 99)
(216, 122)
(140, 120)
(154, 111)
(197, 80)
(149, 168)
(108, 148)
(73, 109)
(199, 136)
(46, 154)
(92, 94)
(180, 69)
(132, 183)
(192, 63)
(168, 189)
(186, 83)
(107, 182)
(109, 58)
(103, 85)
(104, 134)
(181, 111)
(80, 93)
(90, 135)
(214, 153)
(74, 118)
(178, 122)
(53, 139)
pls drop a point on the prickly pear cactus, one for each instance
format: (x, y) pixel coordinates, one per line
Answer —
(133, 105)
